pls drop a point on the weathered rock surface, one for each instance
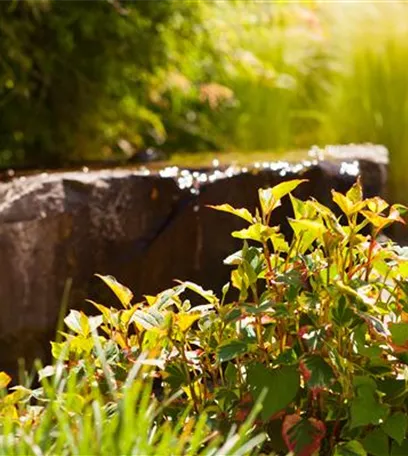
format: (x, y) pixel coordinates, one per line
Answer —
(145, 228)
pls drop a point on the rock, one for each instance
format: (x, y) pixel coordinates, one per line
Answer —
(145, 228)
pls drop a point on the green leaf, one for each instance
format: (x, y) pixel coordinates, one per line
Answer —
(365, 408)
(176, 375)
(122, 293)
(230, 350)
(281, 386)
(352, 448)
(399, 450)
(231, 374)
(242, 213)
(396, 426)
(399, 332)
(376, 443)
(319, 374)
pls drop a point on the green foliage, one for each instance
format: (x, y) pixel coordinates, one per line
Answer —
(75, 77)
(311, 328)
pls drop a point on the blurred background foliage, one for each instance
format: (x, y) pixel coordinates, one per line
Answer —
(82, 80)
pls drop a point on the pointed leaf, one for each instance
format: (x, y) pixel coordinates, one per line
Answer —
(73, 321)
(122, 293)
(376, 443)
(230, 350)
(185, 320)
(396, 426)
(4, 380)
(270, 197)
(243, 213)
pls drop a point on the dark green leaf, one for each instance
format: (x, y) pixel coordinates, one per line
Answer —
(282, 385)
(399, 450)
(230, 350)
(352, 448)
(318, 373)
(376, 443)
(396, 426)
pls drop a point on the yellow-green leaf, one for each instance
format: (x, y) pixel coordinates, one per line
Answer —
(243, 213)
(256, 232)
(4, 380)
(185, 320)
(270, 197)
(122, 293)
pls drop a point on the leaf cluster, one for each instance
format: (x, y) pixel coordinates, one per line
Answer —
(314, 330)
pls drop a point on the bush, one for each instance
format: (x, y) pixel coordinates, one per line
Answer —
(313, 328)
(76, 77)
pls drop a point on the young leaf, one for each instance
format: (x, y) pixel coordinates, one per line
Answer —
(122, 293)
(185, 320)
(284, 380)
(4, 380)
(242, 213)
(73, 321)
(270, 197)
(355, 194)
(256, 232)
(343, 202)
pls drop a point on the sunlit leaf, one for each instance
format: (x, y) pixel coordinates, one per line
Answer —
(256, 232)
(270, 197)
(242, 213)
(4, 380)
(73, 321)
(185, 320)
(355, 193)
(122, 293)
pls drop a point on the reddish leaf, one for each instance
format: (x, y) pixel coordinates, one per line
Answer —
(304, 439)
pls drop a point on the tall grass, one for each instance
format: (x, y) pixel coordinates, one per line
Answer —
(306, 73)
(64, 417)
(369, 99)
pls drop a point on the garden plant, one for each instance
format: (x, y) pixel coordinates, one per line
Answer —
(305, 350)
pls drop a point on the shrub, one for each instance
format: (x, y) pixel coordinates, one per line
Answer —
(75, 77)
(314, 328)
